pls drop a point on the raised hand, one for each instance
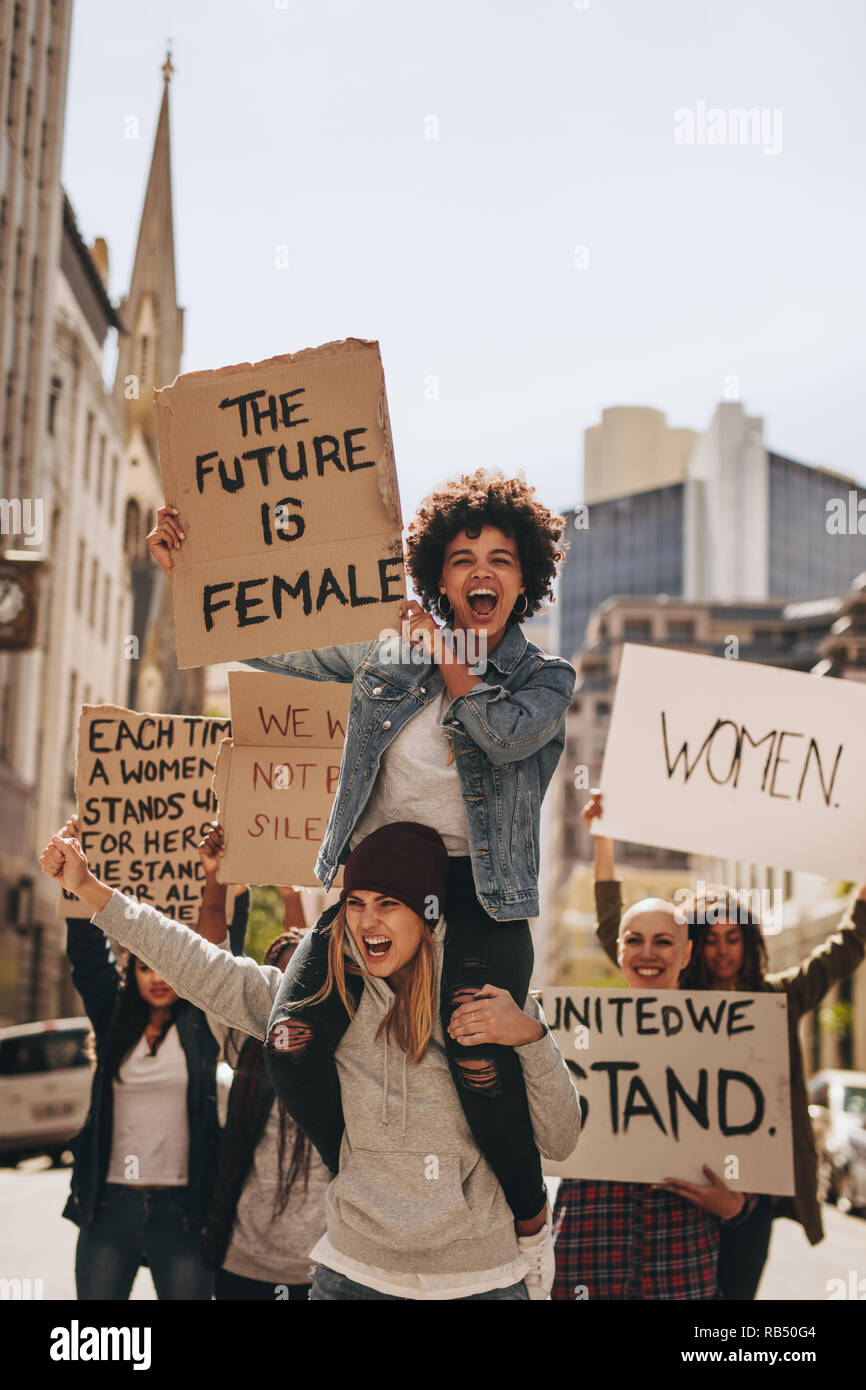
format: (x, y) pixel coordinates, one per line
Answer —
(212, 848)
(165, 537)
(593, 808)
(64, 860)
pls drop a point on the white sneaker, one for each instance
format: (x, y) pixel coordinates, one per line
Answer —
(537, 1251)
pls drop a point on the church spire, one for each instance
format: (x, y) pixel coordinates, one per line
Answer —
(150, 351)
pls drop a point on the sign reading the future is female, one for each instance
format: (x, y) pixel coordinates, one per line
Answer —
(737, 761)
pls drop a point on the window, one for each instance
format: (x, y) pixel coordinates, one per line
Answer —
(53, 398)
(79, 575)
(28, 119)
(5, 730)
(681, 630)
(94, 582)
(72, 713)
(854, 1100)
(602, 709)
(131, 529)
(106, 603)
(41, 1052)
(112, 488)
(88, 445)
(100, 468)
(636, 630)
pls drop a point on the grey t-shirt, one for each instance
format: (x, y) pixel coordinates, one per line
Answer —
(417, 782)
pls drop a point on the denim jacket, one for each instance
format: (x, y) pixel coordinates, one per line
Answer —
(508, 734)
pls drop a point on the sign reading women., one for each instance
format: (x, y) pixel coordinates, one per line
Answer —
(276, 778)
(283, 476)
(143, 790)
(738, 761)
(671, 1080)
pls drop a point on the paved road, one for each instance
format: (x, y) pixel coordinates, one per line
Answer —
(36, 1243)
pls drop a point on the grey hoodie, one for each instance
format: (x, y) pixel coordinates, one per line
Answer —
(414, 1194)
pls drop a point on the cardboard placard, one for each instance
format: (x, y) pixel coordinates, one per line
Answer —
(276, 777)
(283, 476)
(143, 791)
(673, 1079)
(736, 760)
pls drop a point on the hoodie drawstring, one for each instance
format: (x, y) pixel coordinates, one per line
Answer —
(385, 1093)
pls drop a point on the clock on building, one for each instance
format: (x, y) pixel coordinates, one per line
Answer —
(18, 603)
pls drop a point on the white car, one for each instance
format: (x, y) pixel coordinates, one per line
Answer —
(837, 1106)
(45, 1080)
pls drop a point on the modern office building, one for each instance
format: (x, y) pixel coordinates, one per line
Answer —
(718, 516)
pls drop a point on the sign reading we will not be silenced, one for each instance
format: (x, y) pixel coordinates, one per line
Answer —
(737, 761)
(673, 1079)
(276, 778)
(283, 476)
(143, 791)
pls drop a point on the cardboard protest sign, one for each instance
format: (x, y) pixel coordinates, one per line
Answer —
(276, 777)
(283, 476)
(737, 761)
(673, 1079)
(143, 790)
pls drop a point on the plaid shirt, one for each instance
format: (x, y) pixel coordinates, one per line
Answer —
(627, 1240)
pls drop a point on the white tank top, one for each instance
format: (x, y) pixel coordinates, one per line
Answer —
(417, 782)
(150, 1136)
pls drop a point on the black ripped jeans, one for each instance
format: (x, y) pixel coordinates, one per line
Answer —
(478, 951)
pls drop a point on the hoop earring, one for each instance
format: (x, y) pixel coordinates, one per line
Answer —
(439, 606)
(524, 609)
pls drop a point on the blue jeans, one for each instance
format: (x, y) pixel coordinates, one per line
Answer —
(328, 1284)
(134, 1227)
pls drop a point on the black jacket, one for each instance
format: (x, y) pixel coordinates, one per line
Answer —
(95, 976)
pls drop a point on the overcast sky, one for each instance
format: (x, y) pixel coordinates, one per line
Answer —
(307, 126)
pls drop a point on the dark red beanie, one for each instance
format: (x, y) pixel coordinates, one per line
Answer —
(407, 861)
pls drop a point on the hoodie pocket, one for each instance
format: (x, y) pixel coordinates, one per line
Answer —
(404, 1201)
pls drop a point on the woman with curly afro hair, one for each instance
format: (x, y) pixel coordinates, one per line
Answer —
(458, 727)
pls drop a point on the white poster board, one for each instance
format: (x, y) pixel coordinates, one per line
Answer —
(739, 761)
(673, 1079)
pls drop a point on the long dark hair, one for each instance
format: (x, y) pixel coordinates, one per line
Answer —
(720, 907)
(293, 1162)
(130, 1021)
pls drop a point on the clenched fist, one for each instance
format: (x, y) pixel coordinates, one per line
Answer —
(64, 860)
